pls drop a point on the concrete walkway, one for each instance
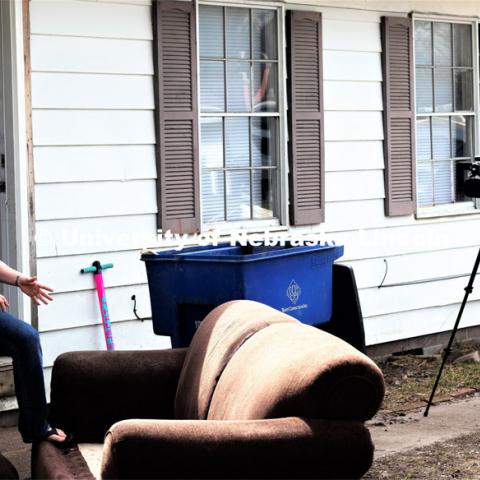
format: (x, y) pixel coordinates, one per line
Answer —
(445, 421)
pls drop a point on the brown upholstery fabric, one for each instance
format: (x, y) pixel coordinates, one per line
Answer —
(294, 369)
(92, 390)
(50, 462)
(219, 336)
(278, 448)
(7, 470)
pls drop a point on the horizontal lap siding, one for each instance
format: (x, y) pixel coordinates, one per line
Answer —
(95, 172)
(415, 250)
(92, 84)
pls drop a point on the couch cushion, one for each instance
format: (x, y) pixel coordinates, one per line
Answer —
(292, 369)
(219, 336)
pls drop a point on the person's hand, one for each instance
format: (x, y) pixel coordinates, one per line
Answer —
(3, 303)
(36, 291)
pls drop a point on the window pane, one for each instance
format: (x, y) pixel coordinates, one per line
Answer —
(212, 86)
(462, 40)
(263, 193)
(462, 136)
(443, 90)
(265, 87)
(423, 43)
(424, 90)
(424, 147)
(238, 195)
(442, 40)
(462, 170)
(238, 87)
(442, 189)
(238, 32)
(237, 143)
(463, 90)
(264, 141)
(211, 31)
(441, 137)
(425, 184)
(264, 25)
(213, 197)
(211, 148)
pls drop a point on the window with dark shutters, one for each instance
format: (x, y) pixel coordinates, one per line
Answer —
(399, 115)
(306, 142)
(176, 116)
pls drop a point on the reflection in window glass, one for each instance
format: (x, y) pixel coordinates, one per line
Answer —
(424, 90)
(211, 132)
(212, 88)
(265, 87)
(238, 87)
(238, 32)
(213, 194)
(237, 150)
(423, 43)
(442, 39)
(463, 90)
(264, 141)
(424, 143)
(238, 195)
(211, 32)
(262, 193)
(462, 40)
(264, 24)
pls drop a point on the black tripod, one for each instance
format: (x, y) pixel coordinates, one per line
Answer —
(448, 349)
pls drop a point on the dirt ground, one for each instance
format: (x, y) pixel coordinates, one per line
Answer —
(458, 458)
(409, 380)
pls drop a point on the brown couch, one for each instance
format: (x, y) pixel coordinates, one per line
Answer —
(7, 470)
(256, 395)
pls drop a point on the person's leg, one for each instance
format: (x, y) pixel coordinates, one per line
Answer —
(21, 342)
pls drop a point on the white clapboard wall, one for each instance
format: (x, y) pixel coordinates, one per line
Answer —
(93, 133)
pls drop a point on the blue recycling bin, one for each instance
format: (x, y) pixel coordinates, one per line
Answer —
(186, 285)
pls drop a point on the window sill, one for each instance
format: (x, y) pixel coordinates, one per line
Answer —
(464, 208)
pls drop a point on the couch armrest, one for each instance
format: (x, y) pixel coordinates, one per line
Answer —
(275, 448)
(92, 390)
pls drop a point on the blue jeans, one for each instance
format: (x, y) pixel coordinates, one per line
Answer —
(22, 342)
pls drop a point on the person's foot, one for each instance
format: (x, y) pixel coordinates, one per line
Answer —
(59, 438)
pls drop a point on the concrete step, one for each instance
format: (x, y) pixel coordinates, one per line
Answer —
(7, 388)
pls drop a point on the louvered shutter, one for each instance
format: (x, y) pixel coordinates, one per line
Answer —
(176, 116)
(306, 142)
(399, 115)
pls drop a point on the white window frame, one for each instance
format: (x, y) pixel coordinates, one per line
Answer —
(282, 221)
(456, 208)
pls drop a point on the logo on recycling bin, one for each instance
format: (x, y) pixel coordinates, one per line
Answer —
(294, 291)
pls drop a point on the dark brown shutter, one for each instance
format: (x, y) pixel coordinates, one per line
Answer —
(176, 116)
(306, 145)
(399, 115)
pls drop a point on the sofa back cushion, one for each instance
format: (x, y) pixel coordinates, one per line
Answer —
(291, 369)
(217, 339)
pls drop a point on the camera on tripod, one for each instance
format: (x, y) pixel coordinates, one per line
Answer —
(472, 183)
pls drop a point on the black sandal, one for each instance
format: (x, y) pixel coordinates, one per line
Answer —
(67, 443)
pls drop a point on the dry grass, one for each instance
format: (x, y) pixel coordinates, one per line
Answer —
(409, 379)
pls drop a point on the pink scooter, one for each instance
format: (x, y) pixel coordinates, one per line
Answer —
(97, 269)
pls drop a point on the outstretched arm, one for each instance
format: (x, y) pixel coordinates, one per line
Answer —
(28, 285)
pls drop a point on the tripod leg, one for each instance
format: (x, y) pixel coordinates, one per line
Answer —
(448, 349)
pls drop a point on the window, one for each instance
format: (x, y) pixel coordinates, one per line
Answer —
(444, 111)
(239, 114)
(219, 116)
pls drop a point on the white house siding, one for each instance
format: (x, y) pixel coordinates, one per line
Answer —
(93, 135)
(93, 129)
